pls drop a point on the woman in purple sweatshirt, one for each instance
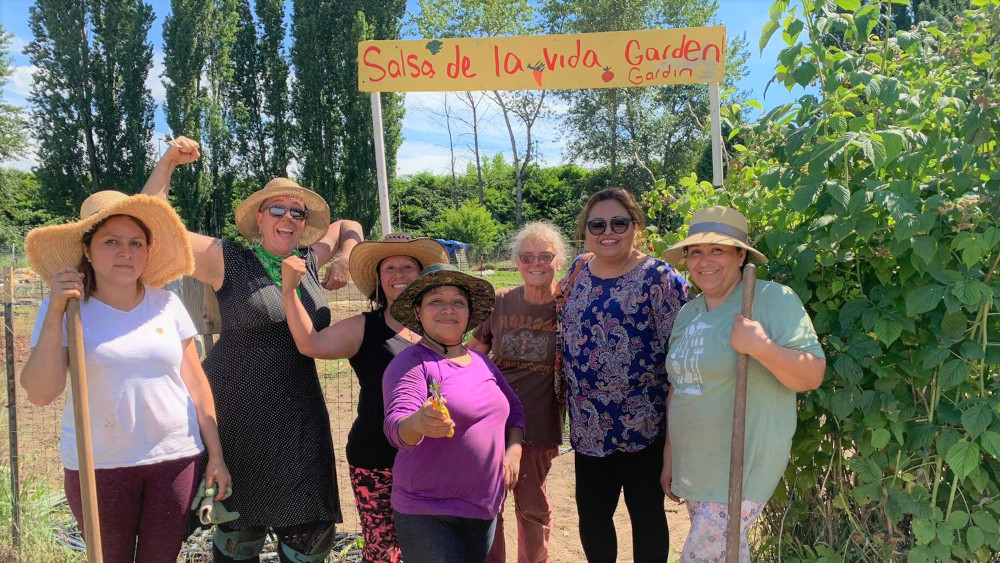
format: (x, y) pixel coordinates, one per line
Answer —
(456, 421)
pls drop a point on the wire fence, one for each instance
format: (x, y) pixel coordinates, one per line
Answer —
(34, 448)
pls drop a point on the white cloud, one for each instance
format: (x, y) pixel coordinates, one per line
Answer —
(25, 163)
(17, 44)
(421, 156)
(20, 80)
(154, 81)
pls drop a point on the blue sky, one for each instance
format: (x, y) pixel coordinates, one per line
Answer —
(425, 146)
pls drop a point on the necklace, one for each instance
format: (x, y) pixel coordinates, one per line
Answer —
(401, 331)
(409, 335)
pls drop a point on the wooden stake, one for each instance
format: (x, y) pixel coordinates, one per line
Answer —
(739, 428)
(15, 478)
(84, 444)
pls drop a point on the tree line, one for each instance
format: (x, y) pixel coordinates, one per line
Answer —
(265, 97)
(271, 93)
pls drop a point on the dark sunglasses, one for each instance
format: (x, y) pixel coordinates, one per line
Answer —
(280, 210)
(618, 225)
(543, 258)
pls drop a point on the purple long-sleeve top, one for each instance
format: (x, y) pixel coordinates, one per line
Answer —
(459, 476)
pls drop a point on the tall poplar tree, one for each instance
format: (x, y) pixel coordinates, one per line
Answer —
(218, 137)
(274, 64)
(379, 20)
(123, 106)
(335, 133)
(91, 111)
(316, 104)
(13, 128)
(187, 43)
(259, 96)
(197, 38)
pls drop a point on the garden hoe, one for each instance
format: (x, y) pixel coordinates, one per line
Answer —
(84, 448)
(739, 428)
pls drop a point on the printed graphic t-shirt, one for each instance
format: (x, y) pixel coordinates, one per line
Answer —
(701, 366)
(522, 336)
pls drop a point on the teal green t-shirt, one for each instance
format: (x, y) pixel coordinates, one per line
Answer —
(701, 366)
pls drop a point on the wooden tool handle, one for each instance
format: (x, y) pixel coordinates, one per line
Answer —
(739, 428)
(84, 444)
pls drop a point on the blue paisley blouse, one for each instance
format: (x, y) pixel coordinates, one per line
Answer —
(615, 334)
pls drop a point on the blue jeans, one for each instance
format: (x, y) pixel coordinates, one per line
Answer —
(443, 539)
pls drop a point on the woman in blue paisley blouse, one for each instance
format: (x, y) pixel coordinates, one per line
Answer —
(616, 323)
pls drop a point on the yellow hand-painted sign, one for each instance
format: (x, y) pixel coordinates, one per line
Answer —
(650, 57)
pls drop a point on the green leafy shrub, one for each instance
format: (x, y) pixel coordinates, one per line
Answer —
(471, 223)
(876, 199)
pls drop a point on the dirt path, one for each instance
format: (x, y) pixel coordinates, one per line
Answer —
(564, 545)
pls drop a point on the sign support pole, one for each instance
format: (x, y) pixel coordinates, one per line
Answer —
(383, 180)
(713, 95)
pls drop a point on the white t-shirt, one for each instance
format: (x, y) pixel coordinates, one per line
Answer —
(140, 410)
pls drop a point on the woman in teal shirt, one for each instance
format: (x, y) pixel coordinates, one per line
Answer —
(707, 336)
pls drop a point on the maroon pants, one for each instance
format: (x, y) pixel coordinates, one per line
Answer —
(142, 509)
(532, 507)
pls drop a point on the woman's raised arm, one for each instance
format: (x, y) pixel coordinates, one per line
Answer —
(209, 266)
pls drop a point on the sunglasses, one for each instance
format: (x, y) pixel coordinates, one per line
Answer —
(618, 225)
(280, 210)
(543, 258)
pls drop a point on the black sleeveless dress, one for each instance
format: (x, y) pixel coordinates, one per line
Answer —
(367, 446)
(273, 422)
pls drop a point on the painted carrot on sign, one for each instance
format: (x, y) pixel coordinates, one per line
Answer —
(536, 71)
(438, 402)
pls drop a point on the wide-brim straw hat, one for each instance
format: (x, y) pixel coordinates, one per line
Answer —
(715, 225)
(480, 292)
(367, 254)
(317, 210)
(169, 255)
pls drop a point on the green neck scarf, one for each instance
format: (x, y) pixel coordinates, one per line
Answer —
(272, 265)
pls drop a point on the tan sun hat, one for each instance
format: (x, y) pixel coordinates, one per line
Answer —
(715, 225)
(317, 216)
(367, 254)
(480, 292)
(51, 248)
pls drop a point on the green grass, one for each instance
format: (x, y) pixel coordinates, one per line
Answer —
(504, 278)
(509, 277)
(46, 522)
(17, 260)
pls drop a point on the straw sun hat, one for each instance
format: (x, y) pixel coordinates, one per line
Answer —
(317, 218)
(715, 225)
(404, 308)
(367, 254)
(51, 248)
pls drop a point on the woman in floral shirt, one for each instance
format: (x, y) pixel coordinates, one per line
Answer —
(615, 327)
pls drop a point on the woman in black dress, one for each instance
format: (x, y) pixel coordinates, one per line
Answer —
(273, 421)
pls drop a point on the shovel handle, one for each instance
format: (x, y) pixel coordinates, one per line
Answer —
(84, 442)
(739, 428)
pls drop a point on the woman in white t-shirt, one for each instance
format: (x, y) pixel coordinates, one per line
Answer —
(152, 412)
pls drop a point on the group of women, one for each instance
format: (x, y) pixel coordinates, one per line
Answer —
(446, 427)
